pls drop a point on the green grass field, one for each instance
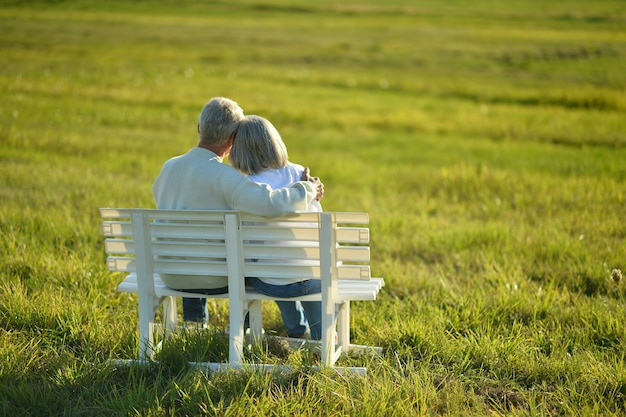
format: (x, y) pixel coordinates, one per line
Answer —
(487, 141)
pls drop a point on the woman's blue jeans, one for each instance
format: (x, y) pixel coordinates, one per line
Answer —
(195, 309)
(296, 315)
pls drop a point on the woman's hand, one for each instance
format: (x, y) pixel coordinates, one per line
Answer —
(315, 180)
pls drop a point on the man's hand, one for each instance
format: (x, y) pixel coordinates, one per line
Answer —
(315, 180)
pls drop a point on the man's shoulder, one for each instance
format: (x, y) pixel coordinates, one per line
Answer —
(194, 156)
(173, 159)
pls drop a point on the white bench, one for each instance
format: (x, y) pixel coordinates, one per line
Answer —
(329, 246)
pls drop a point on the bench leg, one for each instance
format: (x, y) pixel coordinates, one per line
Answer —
(147, 309)
(256, 319)
(329, 323)
(237, 311)
(343, 324)
(170, 314)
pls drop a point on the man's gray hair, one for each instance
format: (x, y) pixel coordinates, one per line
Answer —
(257, 146)
(218, 120)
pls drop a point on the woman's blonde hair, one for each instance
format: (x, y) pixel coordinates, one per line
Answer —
(257, 146)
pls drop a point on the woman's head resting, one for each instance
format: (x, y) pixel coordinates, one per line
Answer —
(257, 146)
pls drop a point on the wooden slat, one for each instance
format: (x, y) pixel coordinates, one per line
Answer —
(275, 251)
(187, 231)
(373, 283)
(189, 249)
(117, 228)
(301, 271)
(340, 217)
(216, 268)
(121, 264)
(253, 269)
(300, 250)
(344, 234)
(281, 270)
(119, 246)
(352, 218)
(166, 230)
(168, 248)
(115, 213)
(356, 272)
(174, 266)
(289, 218)
(202, 215)
(189, 215)
(259, 232)
(353, 254)
(348, 290)
(353, 235)
(287, 252)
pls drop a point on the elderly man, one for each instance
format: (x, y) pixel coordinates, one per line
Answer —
(198, 180)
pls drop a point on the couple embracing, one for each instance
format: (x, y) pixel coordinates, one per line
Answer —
(261, 181)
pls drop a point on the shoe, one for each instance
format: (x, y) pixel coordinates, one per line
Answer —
(196, 325)
(277, 347)
(305, 335)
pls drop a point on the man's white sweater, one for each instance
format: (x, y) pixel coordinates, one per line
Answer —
(198, 180)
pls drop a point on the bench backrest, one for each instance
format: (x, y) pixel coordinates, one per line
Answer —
(326, 245)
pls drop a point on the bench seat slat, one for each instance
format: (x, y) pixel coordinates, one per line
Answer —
(180, 267)
(282, 270)
(257, 251)
(167, 230)
(353, 235)
(272, 251)
(280, 251)
(291, 251)
(340, 217)
(347, 290)
(187, 231)
(353, 254)
(279, 234)
(191, 249)
(344, 234)
(119, 246)
(218, 268)
(117, 228)
(126, 213)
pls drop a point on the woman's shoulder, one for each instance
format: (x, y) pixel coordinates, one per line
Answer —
(279, 177)
(295, 169)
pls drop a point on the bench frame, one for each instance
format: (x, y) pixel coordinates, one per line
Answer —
(132, 244)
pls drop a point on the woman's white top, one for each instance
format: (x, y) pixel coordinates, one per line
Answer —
(281, 178)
